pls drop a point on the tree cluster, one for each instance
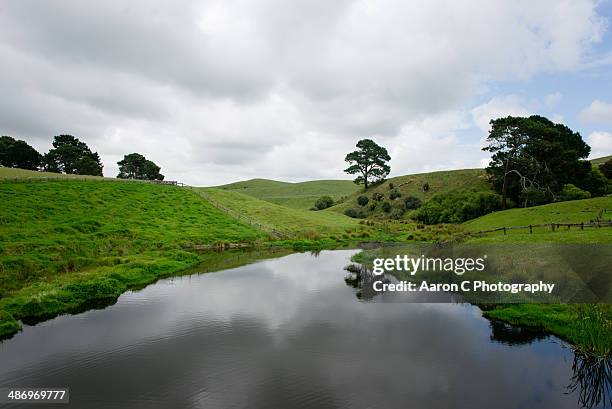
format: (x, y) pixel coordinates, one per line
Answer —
(534, 158)
(71, 156)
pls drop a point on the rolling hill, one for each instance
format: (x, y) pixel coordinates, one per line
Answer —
(413, 185)
(295, 195)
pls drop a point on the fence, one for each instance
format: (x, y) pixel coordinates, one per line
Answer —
(597, 222)
(240, 216)
(19, 179)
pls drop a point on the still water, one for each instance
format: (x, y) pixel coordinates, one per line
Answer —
(286, 333)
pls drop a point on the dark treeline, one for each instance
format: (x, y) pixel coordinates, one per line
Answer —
(69, 155)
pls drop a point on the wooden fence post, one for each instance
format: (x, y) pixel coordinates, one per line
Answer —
(582, 226)
(504, 231)
(553, 226)
(530, 229)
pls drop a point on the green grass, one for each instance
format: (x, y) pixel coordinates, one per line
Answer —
(599, 161)
(298, 223)
(575, 211)
(66, 241)
(295, 195)
(412, 185)
(11, 173)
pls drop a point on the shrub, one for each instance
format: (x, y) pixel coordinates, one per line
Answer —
(595, 182)
(362, 200)
(373, 206)
(378, 196)
(425, 187)
(355, 213)
(395, 194)
(386, 206)
(571, 192)
(457, 207)
(391, 185)
(412, 202)
(606, 169)
(324, 202)
(397, 213)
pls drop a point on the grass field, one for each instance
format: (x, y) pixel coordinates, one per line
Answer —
(8, 173)
(599, 161)
(56, 234)
(295, 195)
(299, 223)
(412, 185)
(575, 211)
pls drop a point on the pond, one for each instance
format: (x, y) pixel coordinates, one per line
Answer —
(286, 333)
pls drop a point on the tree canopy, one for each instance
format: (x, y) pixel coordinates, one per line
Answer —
(369, 161)
(606, 169)
(18, 154)
(70, 155)
(533, 158)
(136, 166)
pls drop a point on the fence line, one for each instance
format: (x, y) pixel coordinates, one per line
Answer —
(597, 222)
(19, 179)
(240, 216)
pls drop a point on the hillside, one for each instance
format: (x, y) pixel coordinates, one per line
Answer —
(575, 211)
(599, 161)
(298, 223)
(295, 195)
(9, 173)
(412, 185)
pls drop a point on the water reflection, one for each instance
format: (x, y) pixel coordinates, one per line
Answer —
(515, 335)
(283, 333)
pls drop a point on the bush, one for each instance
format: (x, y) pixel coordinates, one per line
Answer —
(457, 207)
(395, 194)
(397, 213)
(386, 206)
(391, 185)
(355, 213)
(412, 202)
(606, 169)
(362, 200)
(425, 187)
(373, 206)
(595, 182)
(378, 196)
(324, 202)
(571, 192)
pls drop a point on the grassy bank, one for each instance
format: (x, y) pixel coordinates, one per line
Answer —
(65, 242)
(295, 195)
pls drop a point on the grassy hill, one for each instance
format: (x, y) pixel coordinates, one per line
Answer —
(412, 185)
(575, 211)
(599, 161)
(10, 173)
(295, 195)
(297, 223)
(65, 243)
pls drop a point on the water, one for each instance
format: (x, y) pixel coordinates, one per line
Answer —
(286, 333)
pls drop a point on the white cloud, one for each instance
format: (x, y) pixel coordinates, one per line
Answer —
(597, 112)
(601, 144)
(498, 107)
(223, 90)
(552, 100)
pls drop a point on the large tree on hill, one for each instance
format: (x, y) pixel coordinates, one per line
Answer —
(369, 161)
(70, 155)
(18, 154)
(532, 158)
(136, 166)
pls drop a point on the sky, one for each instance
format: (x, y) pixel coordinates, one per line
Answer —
(220, 91)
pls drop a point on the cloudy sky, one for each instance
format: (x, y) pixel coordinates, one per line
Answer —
(216, 91)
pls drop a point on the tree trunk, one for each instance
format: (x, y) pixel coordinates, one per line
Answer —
(504, 185)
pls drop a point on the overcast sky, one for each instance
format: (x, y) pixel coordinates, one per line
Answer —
(217, 91)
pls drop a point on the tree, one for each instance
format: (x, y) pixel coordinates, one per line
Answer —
(136, 166)
(18, 154)
(70, 155)
(534, 157)
(594, 182)
(369, 161)
(606, 169)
